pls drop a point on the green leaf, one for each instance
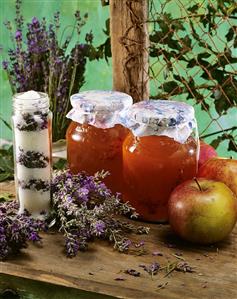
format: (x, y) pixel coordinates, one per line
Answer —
(107, 27)
(216, 142)
(227, 98)
(186, 41)
(164, 22)
(231, 33)
(5, 176)
(6, 123)
(232, 9)
(177, 25)
(216, 74)
(170, 86)
(201, 57)
(156, 36)
(235, 42)
(192, 62)
(60, 164)
(232, 146)
(6, 163)
(194, 8)
(6, 196)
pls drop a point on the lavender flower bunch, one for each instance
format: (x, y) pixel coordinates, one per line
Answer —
(85, 209)
(44, 61)
(16, 230)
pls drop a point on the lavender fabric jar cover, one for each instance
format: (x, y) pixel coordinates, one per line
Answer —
(100, 108)
(161, 117)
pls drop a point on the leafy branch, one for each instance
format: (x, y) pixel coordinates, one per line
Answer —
(194, 65)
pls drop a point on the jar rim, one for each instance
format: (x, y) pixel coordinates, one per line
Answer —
(41, 101)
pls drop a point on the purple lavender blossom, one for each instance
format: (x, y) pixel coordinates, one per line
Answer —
(34, 237)
(35, 22)
(100, 227)
(72, 246)
(5, 64)
(127, 243)
(82, 194)
(16, 230)
(18, 36)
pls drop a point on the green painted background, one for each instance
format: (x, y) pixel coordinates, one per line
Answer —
(98, 73)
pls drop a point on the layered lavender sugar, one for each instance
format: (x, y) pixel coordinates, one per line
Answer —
(32, 154)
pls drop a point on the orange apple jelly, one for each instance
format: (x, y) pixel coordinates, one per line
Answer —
(92, 149)
(154, 164)
(95, 137)
(153, 167)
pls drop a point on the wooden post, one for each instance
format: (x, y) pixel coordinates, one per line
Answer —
(129, 44)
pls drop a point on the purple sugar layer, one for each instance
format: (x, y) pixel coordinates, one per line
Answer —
(31, 122)
(35, 184)
(32, 159)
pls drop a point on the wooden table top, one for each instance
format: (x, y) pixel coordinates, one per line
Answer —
(98, 269)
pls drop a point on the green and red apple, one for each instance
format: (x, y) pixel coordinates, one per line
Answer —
(206, 152)
(221, 169)
(202, 211)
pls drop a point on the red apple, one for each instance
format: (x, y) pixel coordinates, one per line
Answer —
(221, 169)
(202, 211)
(206, 152)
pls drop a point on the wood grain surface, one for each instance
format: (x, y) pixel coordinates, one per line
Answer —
(96, 270)
(129, 44)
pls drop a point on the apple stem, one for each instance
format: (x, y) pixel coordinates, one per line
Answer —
(197, 182)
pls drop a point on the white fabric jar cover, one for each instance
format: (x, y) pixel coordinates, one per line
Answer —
(100, 108)
(161, 117)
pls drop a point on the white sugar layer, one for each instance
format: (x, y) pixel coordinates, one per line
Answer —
(29, 95)
(34, 201)
(33, 141)
(24, 173)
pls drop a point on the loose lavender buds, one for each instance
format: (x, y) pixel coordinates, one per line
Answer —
(32, 136)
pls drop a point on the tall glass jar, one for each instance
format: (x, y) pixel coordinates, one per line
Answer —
(95, 135)
(32, 151)
(160, 152)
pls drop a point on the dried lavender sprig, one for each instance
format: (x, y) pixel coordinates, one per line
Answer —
(151, 269)
(85, 209)
(16, 230)
(40, 61)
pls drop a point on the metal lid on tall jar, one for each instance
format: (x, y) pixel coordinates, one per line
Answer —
(161, 117)
(100, 108)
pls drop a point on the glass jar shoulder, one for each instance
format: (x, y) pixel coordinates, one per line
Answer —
(89, 133)
(158, 146)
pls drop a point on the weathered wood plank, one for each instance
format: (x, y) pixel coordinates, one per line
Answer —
(215, 276)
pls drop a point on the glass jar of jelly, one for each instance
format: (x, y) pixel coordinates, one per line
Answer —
(160, 152)
(95, 135)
